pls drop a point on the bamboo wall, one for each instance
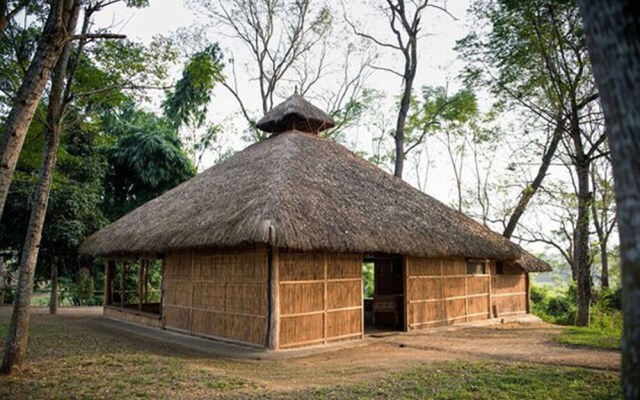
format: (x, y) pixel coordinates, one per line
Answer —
(509, 293)
(440, 292)
(320, 298)
(218, 294)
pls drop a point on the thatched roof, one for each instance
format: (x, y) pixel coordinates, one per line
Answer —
(295, 113)
(531, 263)
(299, 191)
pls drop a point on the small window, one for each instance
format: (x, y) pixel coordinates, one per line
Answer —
(499, 268)
(475, 267)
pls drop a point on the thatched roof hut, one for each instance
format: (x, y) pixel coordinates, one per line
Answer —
(299, 192)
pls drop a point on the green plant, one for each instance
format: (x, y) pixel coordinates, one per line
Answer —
(86, 287)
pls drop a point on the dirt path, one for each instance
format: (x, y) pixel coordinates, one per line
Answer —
(512, 342)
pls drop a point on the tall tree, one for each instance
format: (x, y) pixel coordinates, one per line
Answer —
(535, 56)
(404, 19)
(613, 35)
(15, 349)
(279, 35)
(55, 34)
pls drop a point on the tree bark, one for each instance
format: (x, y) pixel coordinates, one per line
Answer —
(411, 66)
(527, 193)
(53, 299)
(613, 36)
(28, 97)
(581, 256)
(15, 350)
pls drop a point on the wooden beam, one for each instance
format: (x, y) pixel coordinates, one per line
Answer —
(490, 290)
(109, 269)
(125, 266)
(140, 279)
(528, 290)
(405, 287)
(273, 329)
(325, 301)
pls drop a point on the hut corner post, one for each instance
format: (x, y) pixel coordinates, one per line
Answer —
(528, 290)
(109, 272)
(273, 320)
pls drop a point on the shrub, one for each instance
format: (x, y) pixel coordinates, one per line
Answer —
(85, 287)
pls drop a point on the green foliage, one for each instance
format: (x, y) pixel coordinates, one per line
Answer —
(557, 306)
(188, 104)
(145, 161)
(86, 287)
(368, 279)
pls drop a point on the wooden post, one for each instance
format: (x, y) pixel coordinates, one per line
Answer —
(140, 279)
(405, 279)
(162, 318)
(125, 266)
(109, 269)
(490, 289)
(443, 302)
(325, 301)
(528, 290)
(273, 339)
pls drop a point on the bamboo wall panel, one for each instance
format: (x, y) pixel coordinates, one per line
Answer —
(220, 294)
(453, 286)
(425, 288)
(301, 298)
(455, 308)
(301, 330)
(320, 297)
(454, 266)
(426, 312)
(478, 305)
(510, 304)
(343, 294)
(301, 266)
(502, 284)
(177, 317)
(343, 323)
(477, 284)
(247, 329)
(425, 266)
(344, 266)
(440, 292)
(178, 292)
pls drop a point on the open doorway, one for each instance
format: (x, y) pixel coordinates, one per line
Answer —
(383, 283)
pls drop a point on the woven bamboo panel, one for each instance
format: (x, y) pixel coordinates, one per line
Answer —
(344, 266)
(342, 294)
(420, 266)
(509, 284)
(246, 298)
(209, 295)
(425, 312)
(455, 308)
(178, 266)
(301, 266)
(453, 287)
(177, 293)
(340, 323)
(477, 285)
(301, 329)
(479, 305)
(228, 326)
(424, 288)
(178, 318)
(507, 304)
(301, 297)
(454, 266)
(230, 267)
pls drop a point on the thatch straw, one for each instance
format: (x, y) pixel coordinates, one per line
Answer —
(299, 191)
(530, 263)
(295, 113)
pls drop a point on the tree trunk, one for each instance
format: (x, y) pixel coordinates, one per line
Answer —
(410, 69)
(604, 274)
(530, 190)
(581, 257)
(53, 299)
(613, 37)
(15, 350)
(28, 97)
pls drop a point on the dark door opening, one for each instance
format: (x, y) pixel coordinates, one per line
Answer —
(383, 284)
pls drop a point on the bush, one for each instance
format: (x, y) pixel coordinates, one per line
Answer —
(553, 306)
(85, 287)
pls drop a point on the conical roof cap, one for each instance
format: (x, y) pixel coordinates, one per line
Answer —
(295, 113)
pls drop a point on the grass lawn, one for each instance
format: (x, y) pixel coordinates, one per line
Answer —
(70, 359)
(592, 337)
